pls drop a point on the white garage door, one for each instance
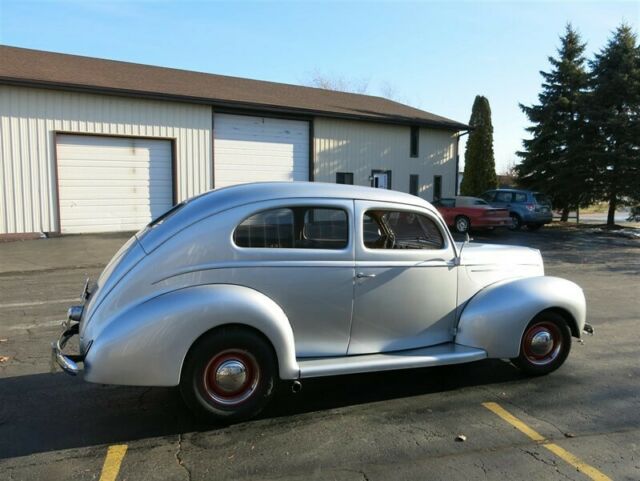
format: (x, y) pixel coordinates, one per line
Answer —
(253, 149)
(109, 184)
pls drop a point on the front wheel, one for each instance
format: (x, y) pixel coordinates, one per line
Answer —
(545, 344)
(229, 375)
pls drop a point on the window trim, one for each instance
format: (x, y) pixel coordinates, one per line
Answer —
(292, 206)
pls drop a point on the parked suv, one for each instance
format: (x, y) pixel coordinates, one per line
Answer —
(531, 209)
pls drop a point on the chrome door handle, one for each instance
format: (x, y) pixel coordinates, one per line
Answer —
(362, 275)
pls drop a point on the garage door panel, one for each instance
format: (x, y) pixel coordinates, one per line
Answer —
(112, 184)
(255, 149)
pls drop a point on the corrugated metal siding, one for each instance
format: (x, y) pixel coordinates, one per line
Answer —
(28, 118)
(359, 147)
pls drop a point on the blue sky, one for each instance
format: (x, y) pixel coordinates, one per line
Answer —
(434, 55)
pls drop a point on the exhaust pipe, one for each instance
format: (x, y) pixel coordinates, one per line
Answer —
(296, 387)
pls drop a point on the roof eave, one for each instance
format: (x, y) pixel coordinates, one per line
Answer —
(236, 105)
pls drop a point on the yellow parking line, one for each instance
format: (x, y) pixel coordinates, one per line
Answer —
(112, 462)
(563, 454)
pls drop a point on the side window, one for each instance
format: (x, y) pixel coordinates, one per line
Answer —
(519, 197)
(384, 229)
(325, 229)
(295, 228)
(504, 197)
(271, 228)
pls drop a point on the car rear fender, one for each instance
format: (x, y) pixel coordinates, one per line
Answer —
(147, 344)
(496, 317)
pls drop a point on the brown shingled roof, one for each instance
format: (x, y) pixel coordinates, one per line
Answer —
(38, 68)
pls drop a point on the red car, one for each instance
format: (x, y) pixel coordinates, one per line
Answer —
(465, 213)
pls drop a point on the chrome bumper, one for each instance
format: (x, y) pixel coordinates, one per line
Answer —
(68, 362)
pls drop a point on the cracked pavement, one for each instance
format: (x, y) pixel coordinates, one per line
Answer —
(394, 425)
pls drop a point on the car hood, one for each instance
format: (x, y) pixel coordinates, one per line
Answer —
(489, 254)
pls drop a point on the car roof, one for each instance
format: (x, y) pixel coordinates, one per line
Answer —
(218, 200)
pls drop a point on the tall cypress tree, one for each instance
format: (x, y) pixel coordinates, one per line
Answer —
(553, 159)
(479, 162)
(614, 117)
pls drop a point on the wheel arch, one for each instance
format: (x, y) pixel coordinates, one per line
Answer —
(496, 317)
(147, 344)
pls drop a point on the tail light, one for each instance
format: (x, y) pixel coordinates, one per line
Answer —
(530, 207)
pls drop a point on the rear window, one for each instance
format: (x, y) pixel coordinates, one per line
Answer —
(295, 228)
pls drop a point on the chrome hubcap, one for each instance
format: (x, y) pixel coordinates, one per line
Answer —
(462, 225)
(231, 375)
(541, 343)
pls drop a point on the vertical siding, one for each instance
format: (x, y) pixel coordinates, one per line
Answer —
(359, 147)
(29, 117)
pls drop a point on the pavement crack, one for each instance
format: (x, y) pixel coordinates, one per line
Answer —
(179, 459)
(552, 464)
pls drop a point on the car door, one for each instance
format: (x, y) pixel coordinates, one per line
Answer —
(405, 282)
(300, 254)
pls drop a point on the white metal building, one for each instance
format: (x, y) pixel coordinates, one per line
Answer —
(91, 145)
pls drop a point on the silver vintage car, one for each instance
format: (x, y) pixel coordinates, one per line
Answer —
(238, 290)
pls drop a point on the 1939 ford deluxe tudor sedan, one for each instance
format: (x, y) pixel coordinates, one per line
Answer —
(235, 290)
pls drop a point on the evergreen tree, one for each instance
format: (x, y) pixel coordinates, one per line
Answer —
(554, 159)
(614, 119)
(479, 162)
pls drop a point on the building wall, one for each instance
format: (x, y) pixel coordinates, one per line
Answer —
(359, 147)
(29, 117)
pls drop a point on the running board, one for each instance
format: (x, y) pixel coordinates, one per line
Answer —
(439, 355)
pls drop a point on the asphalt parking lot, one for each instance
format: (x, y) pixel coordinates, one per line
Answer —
(394, 425)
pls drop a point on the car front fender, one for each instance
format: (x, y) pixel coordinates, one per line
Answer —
(147, 344)
(496, 317)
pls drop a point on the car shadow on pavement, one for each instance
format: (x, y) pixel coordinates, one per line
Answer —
(48, 412)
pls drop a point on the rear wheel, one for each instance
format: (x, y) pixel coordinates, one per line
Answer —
(516, 221)
(545, 344)
(463, 224)
(229, 375)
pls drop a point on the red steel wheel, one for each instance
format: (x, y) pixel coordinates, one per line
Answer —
(231, 377)
(545, 344)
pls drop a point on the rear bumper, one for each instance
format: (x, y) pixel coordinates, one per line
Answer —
(537, 217)
(67, 362)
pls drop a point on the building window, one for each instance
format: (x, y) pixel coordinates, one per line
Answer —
(437, 187)
(295, 228)
(414, 184)
(344, 178)
(415, 140)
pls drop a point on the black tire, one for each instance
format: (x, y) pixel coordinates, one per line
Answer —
(516, 221)
(462, 224)
(534, 227)
(199, 382)
(540, 363)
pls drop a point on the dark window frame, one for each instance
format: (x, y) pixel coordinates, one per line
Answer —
(414, 184)
(437, 193)
(414, 141)
(342, 177)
